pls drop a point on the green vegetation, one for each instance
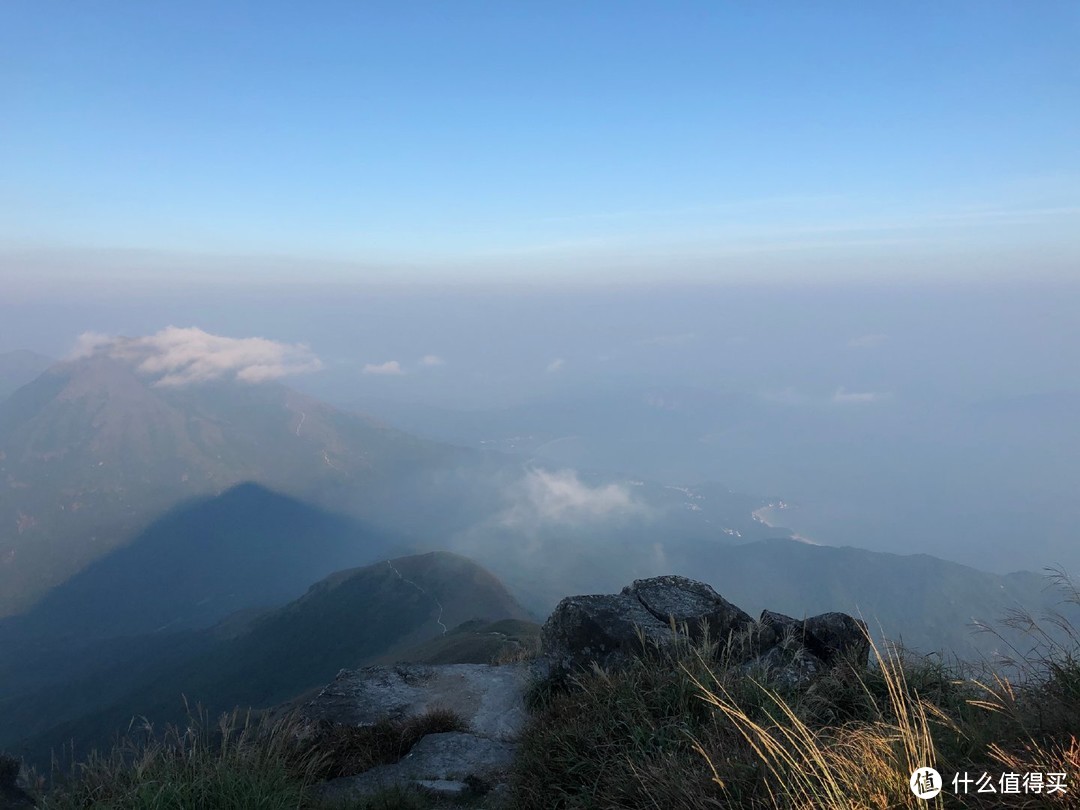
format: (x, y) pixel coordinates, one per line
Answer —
(475, 642)
(697, 732)
(703, 734)
(237, 764)
(242, 762)
(348, 750)
(351, 619)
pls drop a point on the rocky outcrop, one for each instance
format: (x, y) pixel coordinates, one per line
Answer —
(606, 629)
(610, 628)
(656, 614)
(689, 604)
(836, 636)
(451, 763)
(488, 698)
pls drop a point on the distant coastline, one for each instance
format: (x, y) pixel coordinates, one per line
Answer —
(768, 516)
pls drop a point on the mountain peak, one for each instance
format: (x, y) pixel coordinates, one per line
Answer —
(97, 450)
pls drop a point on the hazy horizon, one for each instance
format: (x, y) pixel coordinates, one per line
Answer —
(827, 254)
(345, 336)
(913, 418)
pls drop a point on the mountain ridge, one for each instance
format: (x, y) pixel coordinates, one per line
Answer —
(19, 367)
(346, 620)
(91, 453)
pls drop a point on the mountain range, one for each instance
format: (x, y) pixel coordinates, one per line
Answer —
(385, 611)
(159, 541)
(91, 453)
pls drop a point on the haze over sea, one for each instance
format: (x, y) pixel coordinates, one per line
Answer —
(826, 254)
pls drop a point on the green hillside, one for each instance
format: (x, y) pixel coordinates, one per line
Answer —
(473, 642)
(348, 620)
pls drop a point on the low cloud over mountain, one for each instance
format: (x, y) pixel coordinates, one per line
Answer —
(562, 497)
(177, 356)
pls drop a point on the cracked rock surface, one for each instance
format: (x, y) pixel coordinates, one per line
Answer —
(606, 629)
(446, 763)
(609, 629)
(489, 698)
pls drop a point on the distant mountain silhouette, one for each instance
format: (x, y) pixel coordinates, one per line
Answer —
(350, 619)
(927, 602)
(235, 555)
(91, 453)
(249, 547)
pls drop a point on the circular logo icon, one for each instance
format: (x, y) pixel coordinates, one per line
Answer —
(925, 783)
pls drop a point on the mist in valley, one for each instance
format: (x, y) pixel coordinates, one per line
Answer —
(414, 323)
(912, 418)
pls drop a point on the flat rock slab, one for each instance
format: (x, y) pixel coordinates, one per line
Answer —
(489, 698)
(438, 763)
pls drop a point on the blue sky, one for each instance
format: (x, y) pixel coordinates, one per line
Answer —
(371, 141)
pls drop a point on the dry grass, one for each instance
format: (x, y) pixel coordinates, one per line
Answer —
(521, 651)
(863, 764)
(344, 750)
(239, 762)
(693, 729)
(242, 761)
(702, 732)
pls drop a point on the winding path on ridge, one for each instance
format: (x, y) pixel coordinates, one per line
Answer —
(325, 453)
(425, 593)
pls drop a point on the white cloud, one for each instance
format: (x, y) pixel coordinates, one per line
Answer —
(432, 360)
(389, 369)
(867, 341)
(555, 365)
(561, 497)
(88, 343)
(845, 397)
(178, 356)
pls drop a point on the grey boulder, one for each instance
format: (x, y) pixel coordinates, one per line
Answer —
(651, 615)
